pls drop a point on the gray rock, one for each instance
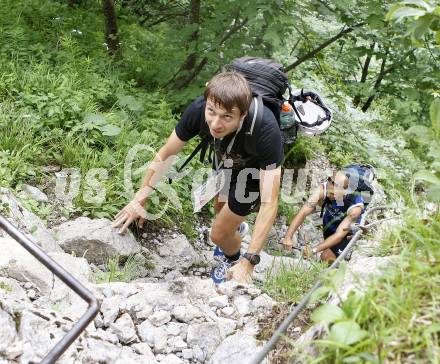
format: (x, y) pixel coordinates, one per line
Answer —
(228, 311)
(232, 288)
(144, 295)
(226, 326)
(17, 263)
(98, 351)
(145, 350)
(154, 336)
(35, 334)
(253, 291)
(159, 318)
(99, 323)
(7, 330)
(176, 343)
(171, 359)
(238, 348)
(208, 312)
(243, 305)
(219, 301)
(110, 309)
(144, 313)
(27, 222)
(175, 254)
(177, 329)
(198, 354)
(101, 334)
(34, 193)
(11, 287)
(359, 272)
(124, 329)
(187, 354)
(263, 303)
(205, 335)
(251, 328)
(186, 313)
(95, 240)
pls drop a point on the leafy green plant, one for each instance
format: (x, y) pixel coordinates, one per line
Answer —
(431, 137)
(41, 209)
(114, 272)
(6, 287)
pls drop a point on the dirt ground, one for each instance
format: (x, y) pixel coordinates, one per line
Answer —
(268, 325)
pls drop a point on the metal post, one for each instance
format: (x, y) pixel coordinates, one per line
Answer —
(68, 279)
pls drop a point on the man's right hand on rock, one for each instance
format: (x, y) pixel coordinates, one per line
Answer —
(131, 212)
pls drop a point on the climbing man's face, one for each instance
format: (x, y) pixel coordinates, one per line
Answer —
(222, 122)
(338, 186)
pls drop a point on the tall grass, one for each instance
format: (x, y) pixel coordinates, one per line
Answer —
(290, 282)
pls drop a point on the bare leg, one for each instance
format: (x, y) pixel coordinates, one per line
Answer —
(224, 230)
(217, 204)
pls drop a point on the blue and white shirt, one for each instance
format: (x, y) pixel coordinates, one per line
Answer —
(334, 213)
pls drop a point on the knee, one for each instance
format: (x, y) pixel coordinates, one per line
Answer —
(217, 235)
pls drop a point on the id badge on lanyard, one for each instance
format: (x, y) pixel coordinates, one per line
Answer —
(214, 184)
(208, 189)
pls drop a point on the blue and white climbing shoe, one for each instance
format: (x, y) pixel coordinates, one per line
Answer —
(243, 229)
(221, 266)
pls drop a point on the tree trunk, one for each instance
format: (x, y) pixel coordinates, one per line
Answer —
(187, 71)
(376, 86)
(111, 28)
(315, 51)
(365, 67)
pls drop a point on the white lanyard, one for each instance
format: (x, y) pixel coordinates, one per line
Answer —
(228, 149)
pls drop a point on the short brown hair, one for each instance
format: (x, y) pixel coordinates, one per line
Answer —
(228, 90)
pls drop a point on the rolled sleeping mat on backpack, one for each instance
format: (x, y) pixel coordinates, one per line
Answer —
(313, 117)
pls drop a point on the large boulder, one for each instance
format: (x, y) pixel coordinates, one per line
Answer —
(16, 262)
(95, 240)
(206, 336)
(238, 348)
(175, 254)
(27, 222)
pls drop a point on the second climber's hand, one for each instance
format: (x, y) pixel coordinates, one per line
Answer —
(288, 244)
(307, 252)
(131, 212)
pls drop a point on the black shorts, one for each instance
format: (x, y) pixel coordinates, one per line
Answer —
(339, 248)
(243, 196)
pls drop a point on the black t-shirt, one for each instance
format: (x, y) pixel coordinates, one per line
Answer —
(268, 138)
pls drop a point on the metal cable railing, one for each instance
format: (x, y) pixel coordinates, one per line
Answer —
(68, 279)
(287, 321)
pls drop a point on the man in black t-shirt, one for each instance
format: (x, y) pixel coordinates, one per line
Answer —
(254, 179)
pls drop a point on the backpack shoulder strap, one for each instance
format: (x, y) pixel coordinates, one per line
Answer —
(255, 117)
(326, 199)
(203, 145)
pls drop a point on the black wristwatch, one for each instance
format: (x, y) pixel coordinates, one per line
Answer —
(254, 259)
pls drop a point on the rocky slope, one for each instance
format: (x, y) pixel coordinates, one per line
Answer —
(170, 313)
